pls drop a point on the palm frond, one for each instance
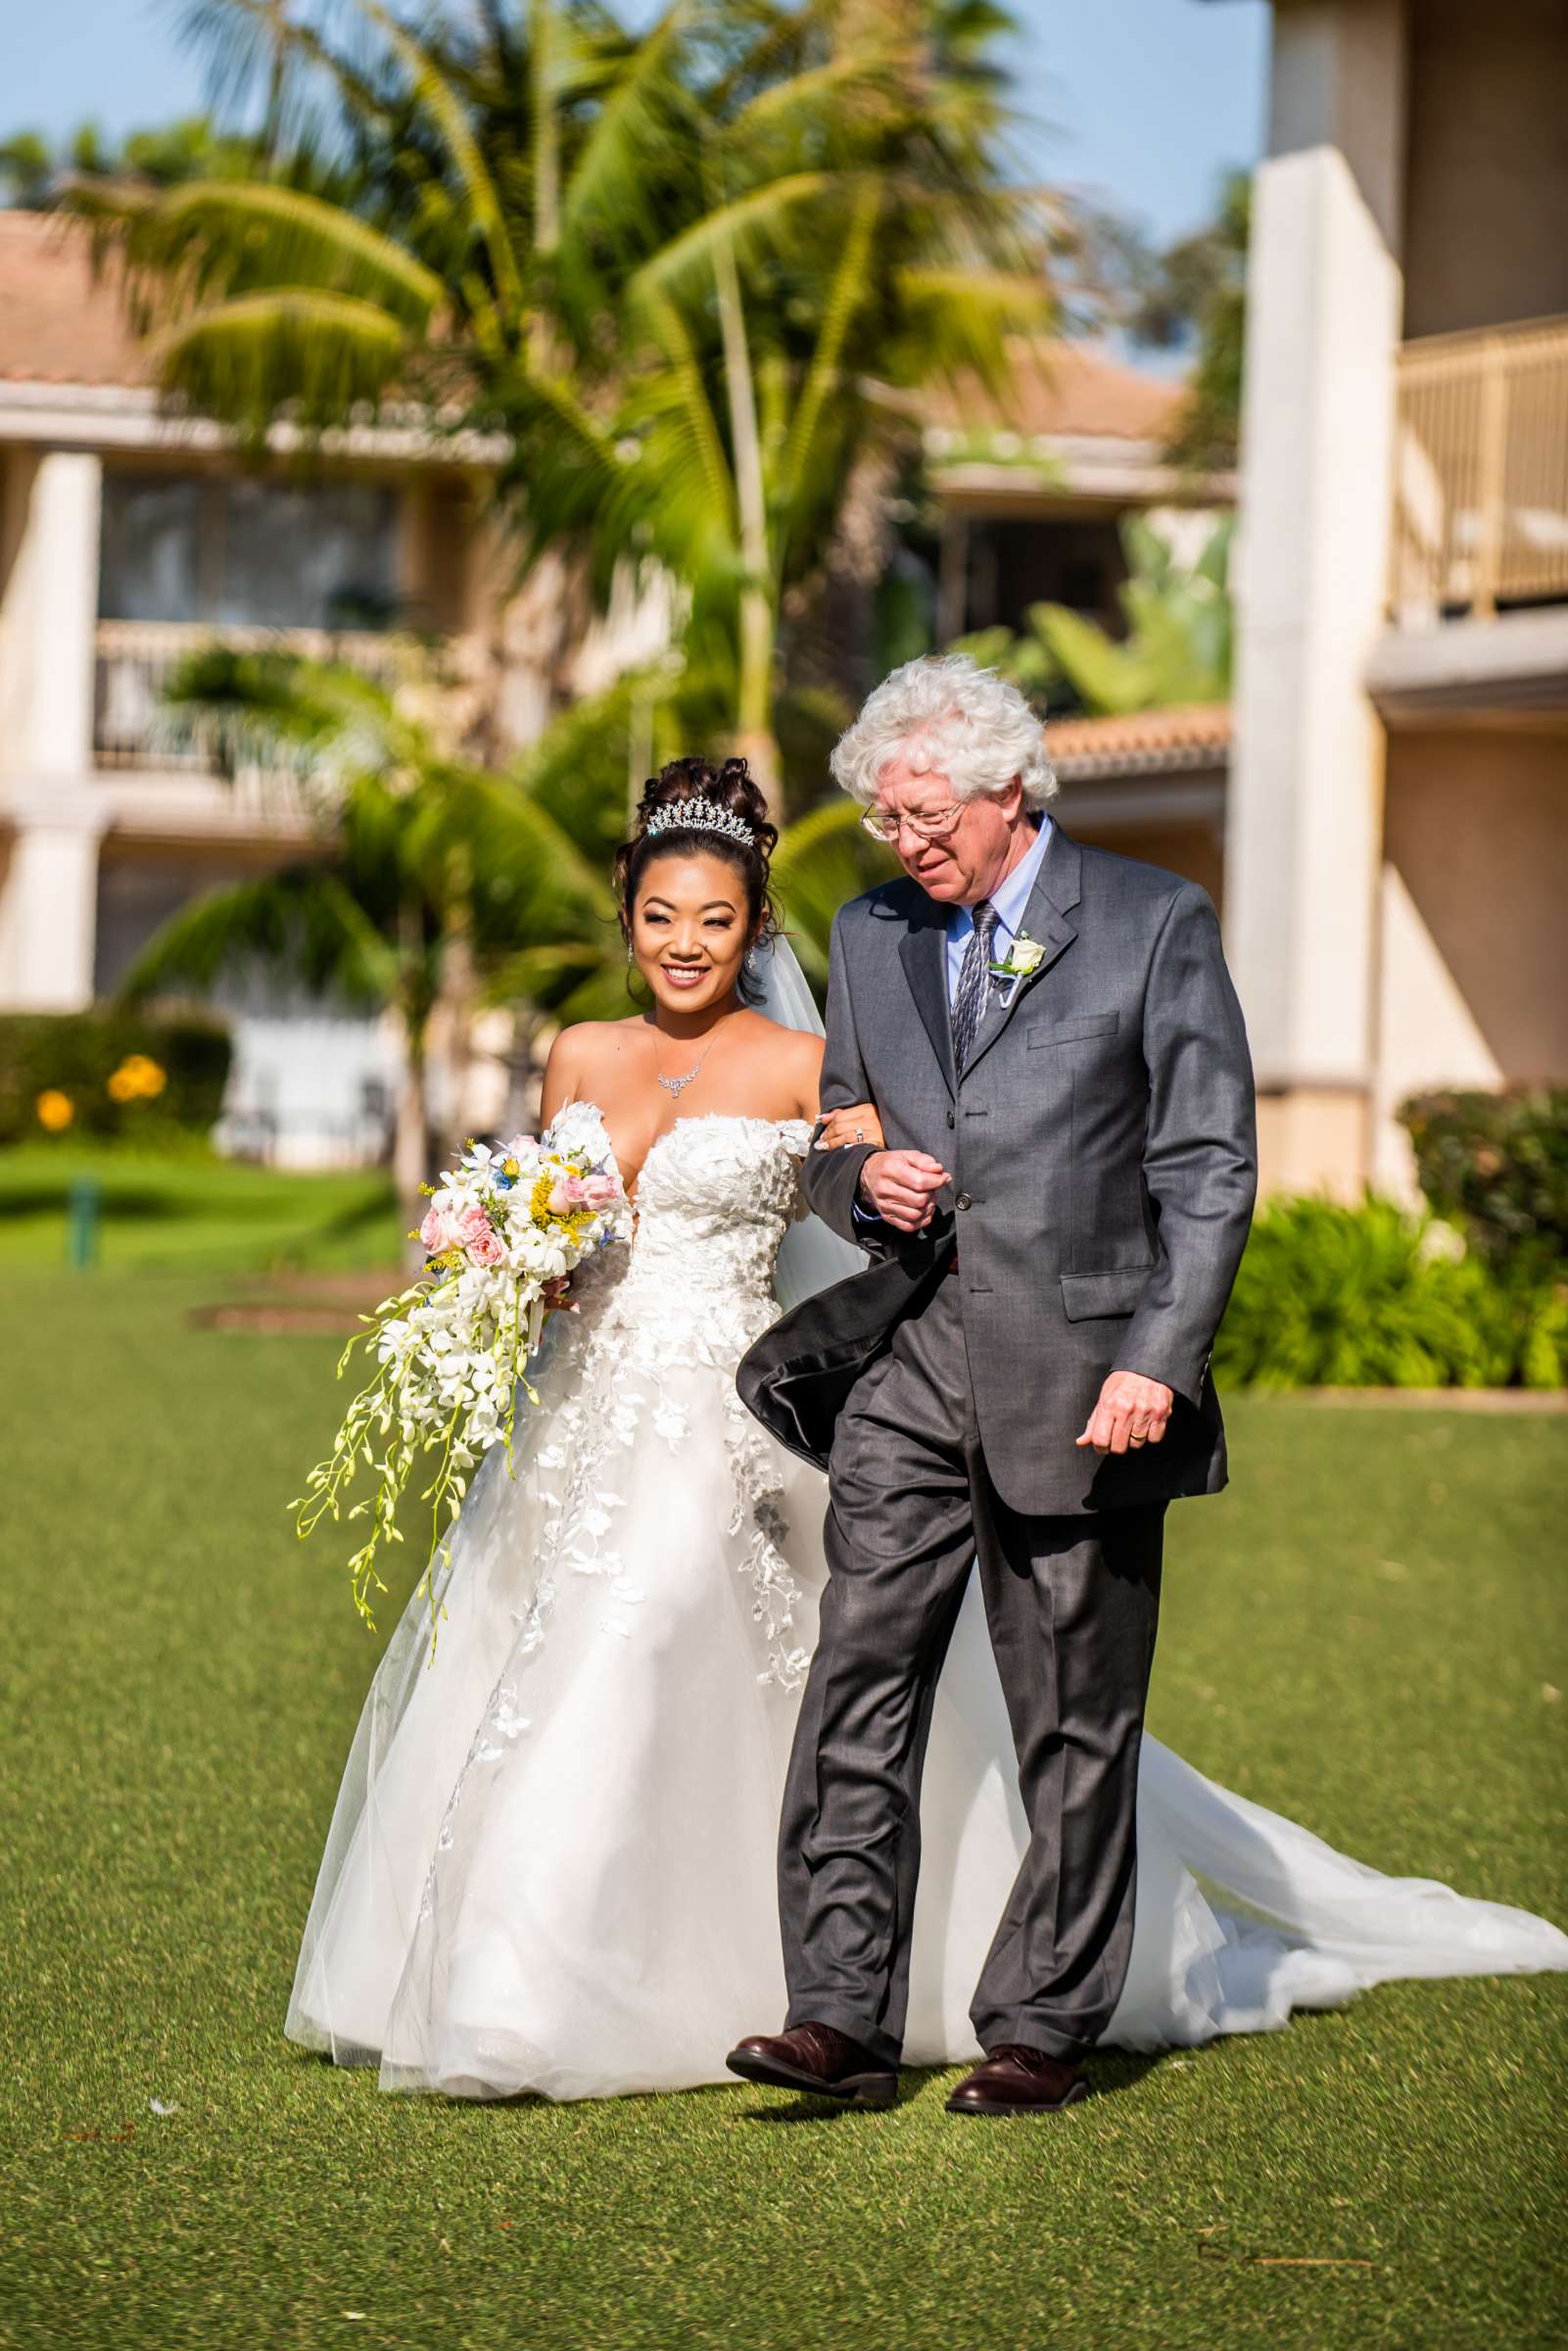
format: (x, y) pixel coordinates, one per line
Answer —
(670, 332)
(957, 322)
(849, 286)
(233, 236)
(683, 265)
(448, 114)
(299, 921)
(251, 40)
(822, 859)
(636, 128)
(246, 359)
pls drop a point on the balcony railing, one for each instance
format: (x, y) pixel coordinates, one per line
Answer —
(133, 727)
(1481, 473)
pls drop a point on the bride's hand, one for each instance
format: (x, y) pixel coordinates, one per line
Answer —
(858, 1124)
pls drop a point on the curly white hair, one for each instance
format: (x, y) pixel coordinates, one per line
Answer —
(948, 717)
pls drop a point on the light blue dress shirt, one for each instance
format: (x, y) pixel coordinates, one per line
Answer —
(1009, 899)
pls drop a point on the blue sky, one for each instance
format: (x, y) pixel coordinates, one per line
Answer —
(1145, 101)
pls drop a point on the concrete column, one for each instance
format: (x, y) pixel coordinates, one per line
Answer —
(49, 908)
(1305, 818)
(48, 619)
(49, 614)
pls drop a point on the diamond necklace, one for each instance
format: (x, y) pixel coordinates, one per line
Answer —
(677, 1086)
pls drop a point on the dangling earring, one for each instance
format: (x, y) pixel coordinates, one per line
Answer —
(629, 951)
(751, 959)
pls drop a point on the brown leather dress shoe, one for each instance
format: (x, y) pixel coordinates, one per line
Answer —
(1015, 2080)
(818, 2058)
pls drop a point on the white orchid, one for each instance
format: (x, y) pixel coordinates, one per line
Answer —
(504, 1229)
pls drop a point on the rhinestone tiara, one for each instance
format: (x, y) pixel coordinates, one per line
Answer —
(699, 815)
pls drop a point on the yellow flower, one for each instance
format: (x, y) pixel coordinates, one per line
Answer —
(55, 1110)
(137, 1076)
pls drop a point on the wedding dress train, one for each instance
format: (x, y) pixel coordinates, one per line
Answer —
(551, 1864)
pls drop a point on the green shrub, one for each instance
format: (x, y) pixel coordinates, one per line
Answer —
(1373, 1297)
(1497, 1165)
(109, 1073)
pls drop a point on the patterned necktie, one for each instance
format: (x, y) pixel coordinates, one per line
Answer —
(970, 999)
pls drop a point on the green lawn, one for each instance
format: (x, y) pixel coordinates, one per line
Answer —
(1370, 1629)
(209, 1215)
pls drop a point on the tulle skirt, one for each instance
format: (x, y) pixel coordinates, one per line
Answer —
(551, 1865)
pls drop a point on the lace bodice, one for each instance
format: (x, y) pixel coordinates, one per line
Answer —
(714, 1200)
(649, 1358)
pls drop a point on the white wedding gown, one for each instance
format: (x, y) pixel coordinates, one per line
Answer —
(551, 1864)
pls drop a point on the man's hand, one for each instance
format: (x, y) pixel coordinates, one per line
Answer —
(1132, 1412)
(900, 1186)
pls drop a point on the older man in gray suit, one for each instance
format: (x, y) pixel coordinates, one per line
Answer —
(1021, 1379)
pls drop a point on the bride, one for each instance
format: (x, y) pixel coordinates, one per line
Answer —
(550, 1868)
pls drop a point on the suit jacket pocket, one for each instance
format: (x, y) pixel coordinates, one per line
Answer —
(1085, 1295)
(1069, 1033)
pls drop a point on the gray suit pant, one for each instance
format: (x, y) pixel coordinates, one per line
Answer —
(1071, 1605)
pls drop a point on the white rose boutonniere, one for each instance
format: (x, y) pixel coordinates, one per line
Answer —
(1021, 961)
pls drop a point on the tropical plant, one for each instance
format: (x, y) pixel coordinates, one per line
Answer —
(1374, 1297)
(39, 174)
(1177, 647)
(1189, 296)
(1497, 1165)
(418, 877)
(121, 1076)
(1207, 276)
(434, 891)
(688, 271)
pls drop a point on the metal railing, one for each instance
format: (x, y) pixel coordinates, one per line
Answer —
(1481, 473)
(133, 727)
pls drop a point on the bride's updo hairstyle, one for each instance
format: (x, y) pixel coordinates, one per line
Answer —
(748, 847)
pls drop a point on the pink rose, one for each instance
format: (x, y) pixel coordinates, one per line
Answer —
(600, 1191)
(479, 1238)
(436, 1234)
(566, 1195)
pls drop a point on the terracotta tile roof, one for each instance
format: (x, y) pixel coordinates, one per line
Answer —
(1143, 742)
(58, 324)
(1067, 389)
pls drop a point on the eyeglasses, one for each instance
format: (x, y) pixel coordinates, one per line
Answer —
(885, 824)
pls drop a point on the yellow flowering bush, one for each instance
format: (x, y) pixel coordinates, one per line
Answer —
(138, 1078)
(55, 1110)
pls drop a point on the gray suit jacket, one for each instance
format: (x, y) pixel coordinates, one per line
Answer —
(1102, 1145)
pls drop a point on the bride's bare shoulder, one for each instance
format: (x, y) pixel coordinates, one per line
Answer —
(800, 1047)
(795, 1054)
(583, 1058)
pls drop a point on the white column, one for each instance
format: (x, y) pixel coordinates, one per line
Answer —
(1305, 816)
(49, 909)
(48, 617)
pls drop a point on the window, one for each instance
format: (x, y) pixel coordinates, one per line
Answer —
(246, 553)
(148, 548)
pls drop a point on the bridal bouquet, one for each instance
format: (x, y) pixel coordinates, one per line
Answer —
(505, 1232)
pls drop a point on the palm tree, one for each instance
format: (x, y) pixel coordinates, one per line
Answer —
(419, 874)
(1177, 647)
(691, 271)
(423, 876)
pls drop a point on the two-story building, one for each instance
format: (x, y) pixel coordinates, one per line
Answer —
(1397, 827)
(129, 537)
